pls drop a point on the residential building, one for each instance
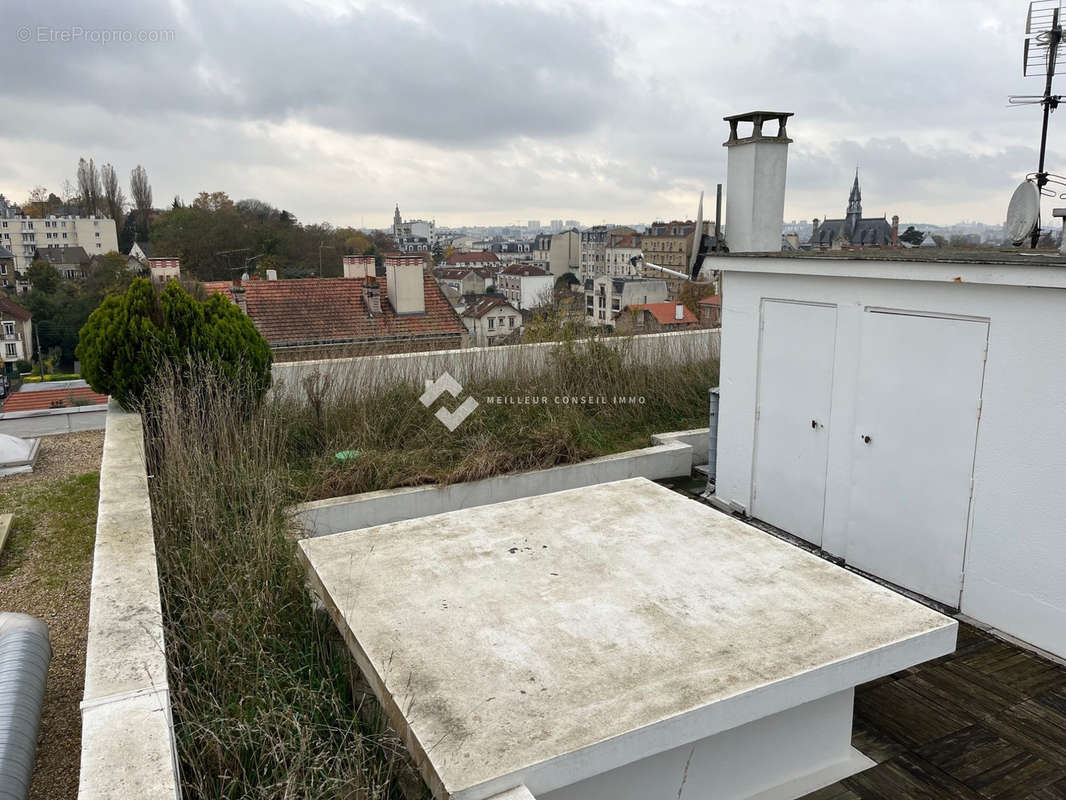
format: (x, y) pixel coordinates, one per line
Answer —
(70, 262)
(413, 235)
(513, 251)
(490, 320)
(533, 225)
(669, 244)
(572, 223)
(161, 270)
(606, 296)
(465, 280)
(17, 325)
(655, 318)
(854, 230)
(24, 236)
(525, 286)
(558, 253)
(402, 311)
(482, 259)
(7, 268)
(619, 253)
(594, 246)
(710, 311)
(556, 226)
(142, 251)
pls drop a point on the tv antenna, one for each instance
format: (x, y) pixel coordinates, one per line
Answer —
(702, 245)
(1043, 55)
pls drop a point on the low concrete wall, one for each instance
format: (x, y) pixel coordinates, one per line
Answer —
(53, 421)
(697, 439)
(669, 459)
(127, 747)
(356, 375)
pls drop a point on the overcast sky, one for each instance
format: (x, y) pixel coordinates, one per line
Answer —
(493, 113)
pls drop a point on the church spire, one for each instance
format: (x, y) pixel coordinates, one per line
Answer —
(854, 214)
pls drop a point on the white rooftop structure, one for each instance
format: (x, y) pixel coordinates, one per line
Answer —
(618, 641)
(17, 455)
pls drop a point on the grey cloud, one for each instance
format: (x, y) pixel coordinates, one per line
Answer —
(464, 72)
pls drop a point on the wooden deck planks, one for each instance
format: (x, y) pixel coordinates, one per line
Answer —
(985, 723)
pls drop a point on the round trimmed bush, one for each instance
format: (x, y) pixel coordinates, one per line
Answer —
(130, 337)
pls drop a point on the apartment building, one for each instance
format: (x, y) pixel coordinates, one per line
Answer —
(23, 236)
(606, 296)
(413, 235)
(619, 254)
(7, 268)
(558, 253)
(525, 286)
(17, 326)
(594, 243)
(669, 244)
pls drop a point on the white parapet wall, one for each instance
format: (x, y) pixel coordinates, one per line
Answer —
(53, 421)
(670, 457)
(127, 744)
(363, 373)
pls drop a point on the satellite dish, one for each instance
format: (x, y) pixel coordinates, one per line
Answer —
(1023, 213)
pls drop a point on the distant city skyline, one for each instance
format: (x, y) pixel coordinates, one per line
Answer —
(560, 133)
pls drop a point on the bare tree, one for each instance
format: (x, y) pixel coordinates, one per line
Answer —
(114, 198)
(141, 195)
(90, 190)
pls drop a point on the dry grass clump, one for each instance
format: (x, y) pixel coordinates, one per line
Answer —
(267, 701)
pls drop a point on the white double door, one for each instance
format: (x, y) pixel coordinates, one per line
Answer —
(916, 411)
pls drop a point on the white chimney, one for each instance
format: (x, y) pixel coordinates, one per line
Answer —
(272, 274)
(359, 267)
(755, 192)
(404, 281)
(679, 311)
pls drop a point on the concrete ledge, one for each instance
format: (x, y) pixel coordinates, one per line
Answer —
(53, 421)
(338, 514)
(695, 438)
(5, 529)
(127, 731)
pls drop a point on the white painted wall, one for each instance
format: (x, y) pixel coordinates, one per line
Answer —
(1015, 561)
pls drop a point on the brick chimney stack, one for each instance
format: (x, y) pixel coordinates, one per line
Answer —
(359, 267)
(404, 282)
(895, 230)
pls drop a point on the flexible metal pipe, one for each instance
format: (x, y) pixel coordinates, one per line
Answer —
(712, 440)
(24, 655)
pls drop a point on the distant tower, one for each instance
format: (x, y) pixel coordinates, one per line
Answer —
(854, 207)
(397, 220)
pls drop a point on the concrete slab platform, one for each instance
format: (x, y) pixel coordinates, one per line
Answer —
(547, 640)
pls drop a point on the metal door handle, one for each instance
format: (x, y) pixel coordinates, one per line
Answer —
(866, 438)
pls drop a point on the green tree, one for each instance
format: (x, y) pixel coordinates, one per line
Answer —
(912, 236)
(43, 277)
(131, 337)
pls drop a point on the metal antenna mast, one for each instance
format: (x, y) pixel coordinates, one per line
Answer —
(1043, 32)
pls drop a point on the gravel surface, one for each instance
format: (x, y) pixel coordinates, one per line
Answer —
(45, 570)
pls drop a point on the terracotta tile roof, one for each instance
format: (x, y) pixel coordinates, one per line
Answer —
(322, 310)
(486, 304)
(471, 258)
(10, 307)
(44, 399)
(217, 286)
(664, 313)
(715, 300)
